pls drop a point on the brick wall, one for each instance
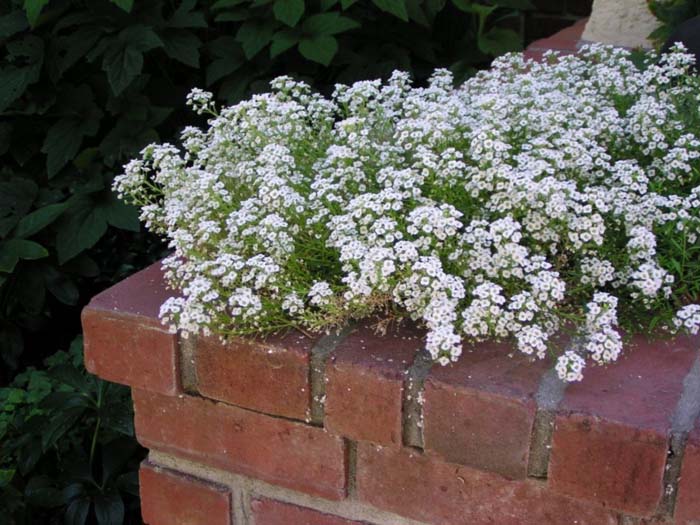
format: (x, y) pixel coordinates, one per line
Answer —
(355, 429)
(361, 429)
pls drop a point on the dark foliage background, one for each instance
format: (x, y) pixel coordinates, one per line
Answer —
(84, 85)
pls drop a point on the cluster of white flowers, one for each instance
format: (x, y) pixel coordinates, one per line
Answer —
(534, 198)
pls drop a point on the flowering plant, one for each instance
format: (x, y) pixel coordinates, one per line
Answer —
(534, 197)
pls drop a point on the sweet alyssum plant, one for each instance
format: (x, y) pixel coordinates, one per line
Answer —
(535, 197)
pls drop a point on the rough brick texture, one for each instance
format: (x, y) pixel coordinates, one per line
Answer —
(238, 448)
(368, 370)
(435, 492)
(270, 512)
(124, 340)
(688, 503)
(480, 410)
(269, 375)
(169, 498)
(610, 443)
(278, 451)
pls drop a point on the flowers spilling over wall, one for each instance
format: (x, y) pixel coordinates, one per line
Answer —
(536, 197)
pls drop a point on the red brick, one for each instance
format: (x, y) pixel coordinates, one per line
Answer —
(170, 498)
(124, 340)
(688, 502)
(480, 410)
(564, 41)
(364, 384)
(271, 512)
(426, 489)
(278, 451)
(610, 439)
(269, 375)
(607, 462)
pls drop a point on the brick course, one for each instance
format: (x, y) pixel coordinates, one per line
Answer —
(170, 498)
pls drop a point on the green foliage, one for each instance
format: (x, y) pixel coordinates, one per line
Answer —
(671, 13)
(67, 447)
(85, 85)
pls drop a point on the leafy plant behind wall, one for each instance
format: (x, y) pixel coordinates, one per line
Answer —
(671, 14)
(84, 85)
(67, 447)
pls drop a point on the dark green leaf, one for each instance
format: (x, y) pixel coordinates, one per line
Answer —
(80, 228)
(128, 482)
(73, 47)
(73, 491)
(6, 476)
(395, 7)
(61, 286)
(59, 424)
(416, 13)
(65, 137)
(29, 455)
(16, 198)
(115, 456)
(39, 219)
(347, 4)
(82, 265)
(30, 290)
(33, 9)
(184, 16)
(12, 23)
(327, 4)
(126, 5)
(183, 46)
(223, 4)
(514, 4)
(12, 250)
(254, 36)
(320, 48)
(282, 41)
(123, 60)
(69, 375)
(109, 509)
(328, 24)
(77, 512)
(15, 80)
(498, 41)
(229, 58)
(288, 11)
(40, 492)
(120, 215)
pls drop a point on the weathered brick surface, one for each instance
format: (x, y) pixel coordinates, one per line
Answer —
(610, 439)
(124, 340)
(364, 384)
(278, 451)
(170, 498)
(269, 375)
(270, 512)
(688, 502)
(440, 493)
(480, 410)
(565, 41)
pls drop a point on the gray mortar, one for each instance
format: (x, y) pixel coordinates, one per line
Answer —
(317, 372)
(412, 406)
(188, 372)
(682, 421)
(548, 396)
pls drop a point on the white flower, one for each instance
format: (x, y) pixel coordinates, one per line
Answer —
(532, 195)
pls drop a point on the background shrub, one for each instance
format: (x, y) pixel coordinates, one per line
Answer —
(671, 14)
(84, 85)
